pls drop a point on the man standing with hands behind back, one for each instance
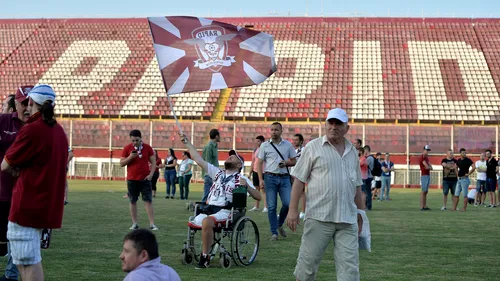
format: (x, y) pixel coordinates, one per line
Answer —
(330, 167)
(278, 154)
(140, 160)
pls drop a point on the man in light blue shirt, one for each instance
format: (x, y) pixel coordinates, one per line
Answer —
(140, 258)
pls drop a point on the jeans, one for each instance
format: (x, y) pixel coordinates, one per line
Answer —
(425, 181)
(207, 184)
(275, 185)
(481, 186)
(367, 189)
(184, 186)
(449, 185)
(462, 187)
(386, 186)
(11, 271)
(170, 180)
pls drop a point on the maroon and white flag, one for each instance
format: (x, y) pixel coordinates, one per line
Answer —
(198, 54)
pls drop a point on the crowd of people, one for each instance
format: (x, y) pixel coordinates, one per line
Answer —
(334, 178)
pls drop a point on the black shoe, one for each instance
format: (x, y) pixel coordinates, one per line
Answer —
(172, 197)
(204, 262)
(167, 197)
(422, 209)
(65, 203)
(427, 208)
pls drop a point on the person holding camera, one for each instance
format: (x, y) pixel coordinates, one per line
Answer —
(140, 160)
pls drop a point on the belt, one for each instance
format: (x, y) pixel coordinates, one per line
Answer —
(276, 175)
(462, 178)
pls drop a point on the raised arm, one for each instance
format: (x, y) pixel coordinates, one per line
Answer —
(194, 153)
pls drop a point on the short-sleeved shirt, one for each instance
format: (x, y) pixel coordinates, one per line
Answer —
(158, 163)
(184, 166)
(424, 171)
(221, 191)
(449, 173)
(210, 154)
(255, 160)
(481, 165)
(367, 164)
(9, 127)
(332, 180)
(298, 151)
(270, 156)
(138, 169)
(41, 153)
(389, 165)
(491, 166)
(464, 166)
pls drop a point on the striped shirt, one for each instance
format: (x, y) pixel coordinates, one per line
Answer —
(331, 181)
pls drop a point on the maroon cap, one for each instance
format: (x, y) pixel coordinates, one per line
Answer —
(22, 93)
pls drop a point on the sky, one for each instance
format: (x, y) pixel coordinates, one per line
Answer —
(237, 8)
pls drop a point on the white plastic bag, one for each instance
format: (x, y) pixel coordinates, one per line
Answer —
(365, 237)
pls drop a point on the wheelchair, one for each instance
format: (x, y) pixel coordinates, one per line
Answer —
(240, 230)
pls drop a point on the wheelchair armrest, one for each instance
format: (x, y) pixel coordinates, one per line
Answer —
(200, 203)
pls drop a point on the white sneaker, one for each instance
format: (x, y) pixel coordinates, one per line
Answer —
(264, 210)
(253, 209)
(134, 226)
(153, 227)
(301, 215)
(443, 208)
(475, 204)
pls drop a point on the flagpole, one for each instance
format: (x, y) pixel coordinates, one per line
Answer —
(175, 116)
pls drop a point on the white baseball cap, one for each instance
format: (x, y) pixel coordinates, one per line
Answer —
(427, 147)
(337, 113)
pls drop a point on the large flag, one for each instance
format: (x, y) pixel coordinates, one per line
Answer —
(197, 54)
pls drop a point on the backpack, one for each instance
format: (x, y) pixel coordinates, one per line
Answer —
(377, 167)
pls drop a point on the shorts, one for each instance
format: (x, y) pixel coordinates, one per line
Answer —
(491, 184)
(136, 188)
(481, 186)
(462, 186)
(425, 182)
(24, 244)
(220, 216)
(449, 185)
(255, 180)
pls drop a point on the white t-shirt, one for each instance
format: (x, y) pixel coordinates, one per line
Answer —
(223, 186)
(472, 193)
(482, 165)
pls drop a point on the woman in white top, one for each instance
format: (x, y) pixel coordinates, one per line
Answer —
(185, 174)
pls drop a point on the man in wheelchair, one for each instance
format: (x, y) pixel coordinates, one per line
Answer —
(220, 198)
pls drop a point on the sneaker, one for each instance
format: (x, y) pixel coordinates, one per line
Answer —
(282, 231)
(264, 210)
(274, 237)
(253, 209)
(65, 202)
(475, 204)
(134, 226)
(422, 209)
(301, 215)
(167, 197)
(443, 208)
(487, 206)
(204, 262)
(427, 208)
(493, 206)
(153, 227)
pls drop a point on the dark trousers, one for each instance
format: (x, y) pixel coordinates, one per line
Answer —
(367, 189)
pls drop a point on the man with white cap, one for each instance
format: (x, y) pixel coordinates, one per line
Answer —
(38, 156)
(330, 167)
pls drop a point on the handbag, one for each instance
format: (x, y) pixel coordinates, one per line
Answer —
(279, 153)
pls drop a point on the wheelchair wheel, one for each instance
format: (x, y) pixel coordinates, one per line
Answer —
(245, 241)
(225, 261)
(187, 258)
(195, 244)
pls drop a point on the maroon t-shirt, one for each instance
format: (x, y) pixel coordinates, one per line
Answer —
(41, 154)
(9, 128)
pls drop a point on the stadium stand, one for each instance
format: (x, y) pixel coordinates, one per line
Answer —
(390, 74)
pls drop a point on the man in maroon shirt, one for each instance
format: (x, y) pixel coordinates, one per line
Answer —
(38, 156)
(10, 123)
(141, 165)
(425, 178)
